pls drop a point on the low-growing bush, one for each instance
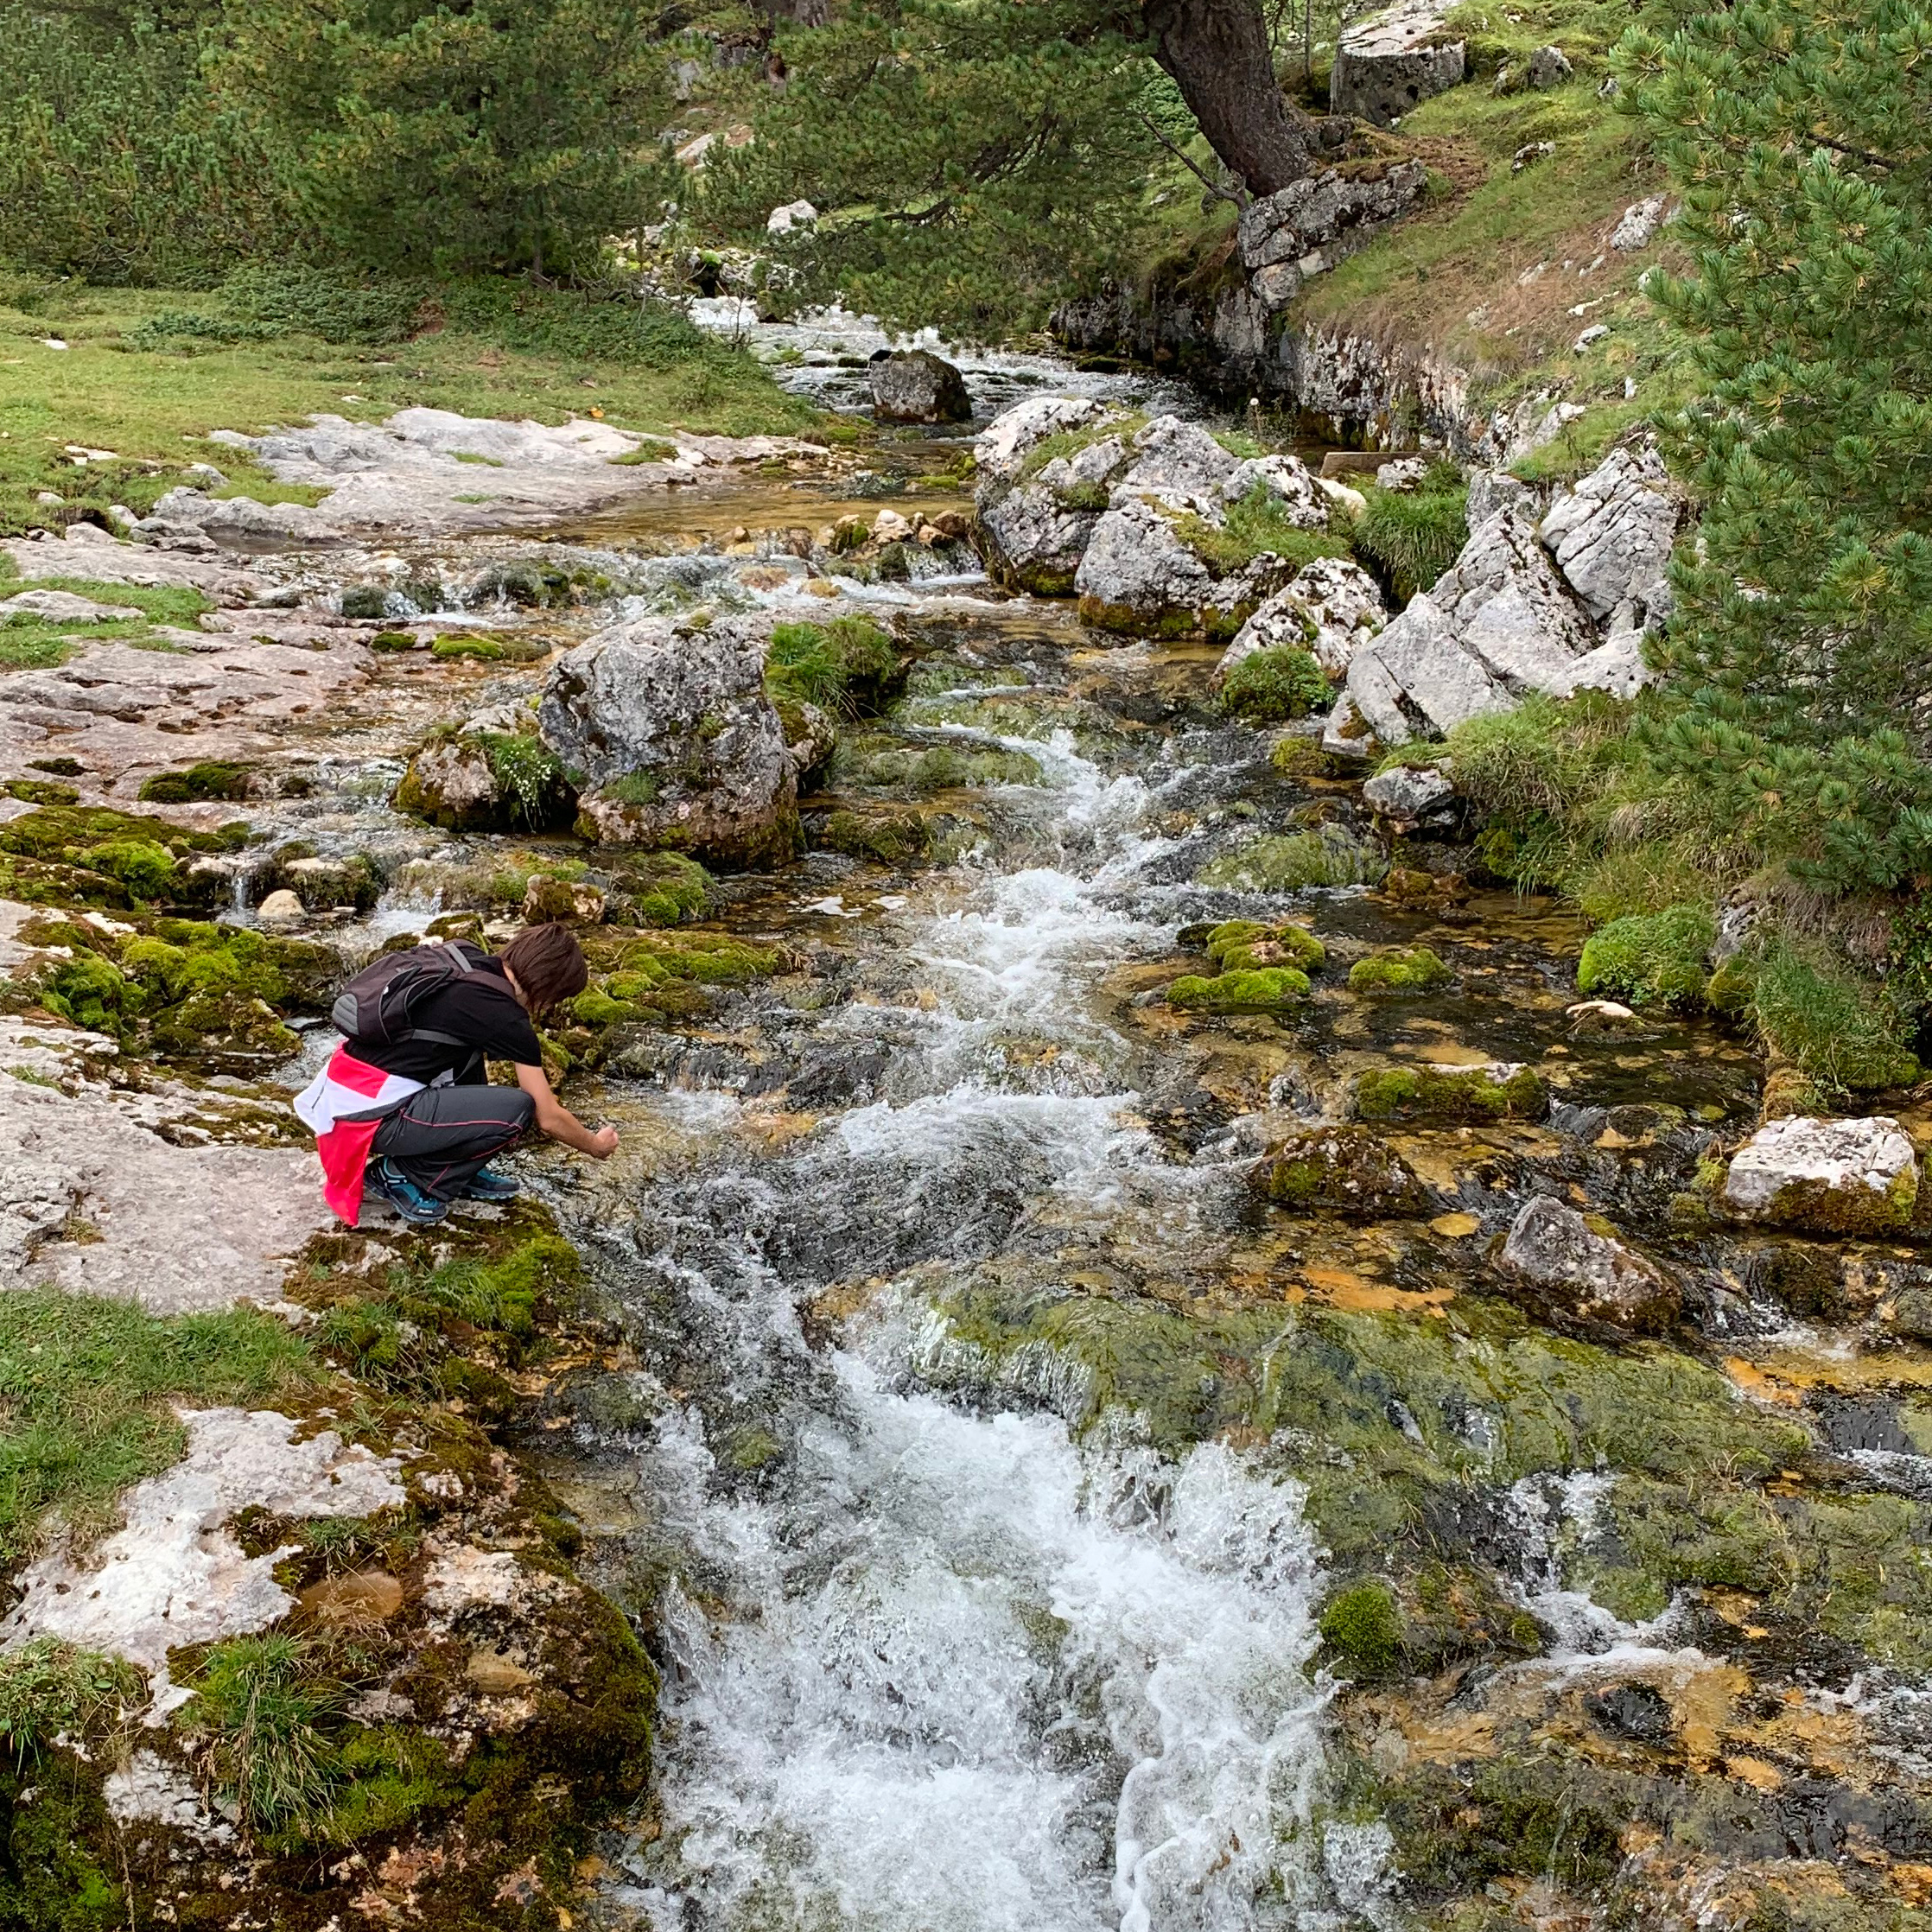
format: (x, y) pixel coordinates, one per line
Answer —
(1268, 686)
(1813, 1011)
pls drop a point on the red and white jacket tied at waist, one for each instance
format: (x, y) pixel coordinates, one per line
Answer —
(343, 1106)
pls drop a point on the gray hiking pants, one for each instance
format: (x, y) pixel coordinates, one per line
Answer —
(441, 1137)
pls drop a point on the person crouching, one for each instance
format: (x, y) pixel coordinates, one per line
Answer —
(404, 1108)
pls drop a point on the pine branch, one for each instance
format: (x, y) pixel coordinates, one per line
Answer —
(1239, 196)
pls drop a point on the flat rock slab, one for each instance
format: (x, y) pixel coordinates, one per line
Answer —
(412, 473)
(124, 713)
(86, 550)
(174, 1574)
(93, 1199)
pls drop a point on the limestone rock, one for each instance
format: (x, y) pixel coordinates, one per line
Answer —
(1332, 608)
(1554, 1250)
(1003, 446)
(1293, 490)
(1837, 1176)
(1498, 623)
(176, 1574)
(668, 731)
(1417, 677)
(917, 386)
(281, 907)
(1389, 61)
(1032, 539)
(1181, 463)
(1138, 576)
(61, 606)
(1490, 490)
(793, 214)
(1549, 67)
(1287, 235)
(1640, 223)
(486, 781)
(1409, 793)
(1611, 535)
(1345, 1170)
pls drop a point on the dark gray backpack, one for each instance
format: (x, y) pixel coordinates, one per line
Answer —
(378, 1006)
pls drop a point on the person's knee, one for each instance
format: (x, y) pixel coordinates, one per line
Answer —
(522, 1111)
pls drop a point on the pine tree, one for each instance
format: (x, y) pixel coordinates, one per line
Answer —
(463, 135)
(1799, 664)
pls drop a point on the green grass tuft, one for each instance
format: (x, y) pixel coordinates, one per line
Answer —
(86, 1384)
(1651, 958)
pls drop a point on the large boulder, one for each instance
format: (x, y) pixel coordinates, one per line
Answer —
(1837, 1176)
(1032, 529)
(1330, 607)
(1003, 446)
(1500, 622)
(1611, 535)
(1570, 1266)
(914, 386)
(1389, 61)
(1137, 575)
(666, 731)
(1181, 463)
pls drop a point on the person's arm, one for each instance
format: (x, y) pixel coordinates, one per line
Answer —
(556, 1120)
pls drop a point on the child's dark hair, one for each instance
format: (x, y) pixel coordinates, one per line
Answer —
(548, 964)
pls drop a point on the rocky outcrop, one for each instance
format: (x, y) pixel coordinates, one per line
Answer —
(1032, 531)
(1519, 610)
(1571, 1268)
(1390, 61)
(1332, 608)
(1305, 229)
(666, 732)
(914, 386)
(1837, 1176)
(1408, 796)
(1611, 535)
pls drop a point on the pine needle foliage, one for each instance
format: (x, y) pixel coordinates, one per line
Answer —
(971, 162)
(1800, 655)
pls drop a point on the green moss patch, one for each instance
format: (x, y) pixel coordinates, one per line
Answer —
(1265, 989)
(212, 778)
(1470, 1096)
(1286, 862)
(1242, 944)
(1651, 959)
(1256, 526)
(1398, 969)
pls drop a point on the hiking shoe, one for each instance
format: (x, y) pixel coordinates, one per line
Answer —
(489, 1186)
(419, 1208)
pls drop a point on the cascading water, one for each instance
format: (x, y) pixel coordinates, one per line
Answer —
(935, 1663)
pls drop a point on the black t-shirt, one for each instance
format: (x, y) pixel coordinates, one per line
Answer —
(478, 1008)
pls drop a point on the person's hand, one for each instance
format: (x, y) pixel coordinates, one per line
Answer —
(603, 1142)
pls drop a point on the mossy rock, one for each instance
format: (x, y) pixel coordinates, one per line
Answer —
(663, 888)
(887, 839)
(212, 778)
(1363, 1628)
(1246, 945)
(1263, 989)
(1650, 958)
(1398, 969)
(1289, 861)
(1351, 1171)
(40, 791)
(487, 781)
(1470, 1096)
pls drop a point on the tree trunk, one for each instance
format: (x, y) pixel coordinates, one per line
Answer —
(1216, 51)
